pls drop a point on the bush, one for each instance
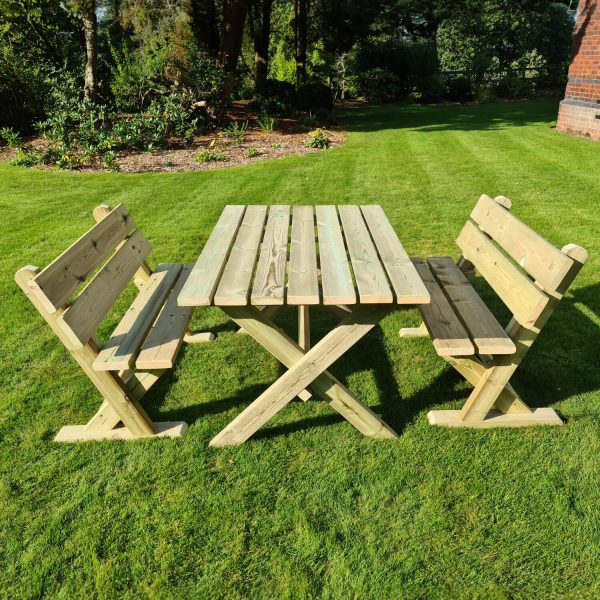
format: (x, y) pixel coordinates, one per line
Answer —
(486, 94)
(318, 139)
(315, 95)
(458, 89)
(277, 98)
(252, 153)
(513, 86)
(378, 85)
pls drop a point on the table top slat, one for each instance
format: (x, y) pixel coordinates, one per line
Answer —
(202, 282)
(403, 276)
(303, 277)
(269, 280)
(234, 287)
(371, 281)
(336, 278)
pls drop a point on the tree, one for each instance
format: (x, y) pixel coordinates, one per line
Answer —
(232, 33)
(87, 10)
(204, 24)
(301, 39)
(260, 26)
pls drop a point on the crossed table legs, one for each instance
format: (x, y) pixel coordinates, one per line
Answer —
(305, 368)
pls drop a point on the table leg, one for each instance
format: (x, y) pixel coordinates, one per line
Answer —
(304, 369)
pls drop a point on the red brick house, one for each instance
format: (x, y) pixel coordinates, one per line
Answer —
(579, 112)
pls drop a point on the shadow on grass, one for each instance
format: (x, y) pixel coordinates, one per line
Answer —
(561, 364)
(445, 117)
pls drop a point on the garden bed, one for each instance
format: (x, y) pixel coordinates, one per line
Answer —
(287, 139)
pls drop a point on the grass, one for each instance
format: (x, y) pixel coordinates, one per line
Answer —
(309, 507)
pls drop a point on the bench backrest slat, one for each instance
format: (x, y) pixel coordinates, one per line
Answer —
(61, 278)
(543, 261)
(520, 294)
(89, 309)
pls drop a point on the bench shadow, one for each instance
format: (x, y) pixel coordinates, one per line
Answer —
(562, 363)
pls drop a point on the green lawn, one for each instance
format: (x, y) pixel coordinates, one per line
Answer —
(309, 507)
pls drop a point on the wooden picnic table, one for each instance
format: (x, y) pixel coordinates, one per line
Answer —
(254, 264)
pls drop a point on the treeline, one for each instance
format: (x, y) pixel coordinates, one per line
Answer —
(285, 54)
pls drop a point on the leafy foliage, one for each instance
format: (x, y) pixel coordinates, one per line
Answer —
(318, 139)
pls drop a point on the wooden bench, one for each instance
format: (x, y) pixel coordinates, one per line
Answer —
(529, 275)
(146, 341)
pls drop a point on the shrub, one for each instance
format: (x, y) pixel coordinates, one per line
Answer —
(378, 85)
(279, 146)
(513, 86)
(315, 95)
(318, 139)
(277, 98)
(486, 94)
(458, 89)
(267, 123)
(252, 152)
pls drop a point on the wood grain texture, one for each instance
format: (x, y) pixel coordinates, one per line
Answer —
(543, 261)
(234, 287)
(90, 307)
(484, 330)
(539, 416)
(371, 281)
(121, 349)
(204, 278)
(304, 371)
(108, 384)
(269, 280)
(447, 333)
(523, 298)
(336, 278)
(161, 347)
(59, 280)
(303, 279)
(402, 273)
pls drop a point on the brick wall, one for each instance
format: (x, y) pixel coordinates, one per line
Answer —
(579, 112)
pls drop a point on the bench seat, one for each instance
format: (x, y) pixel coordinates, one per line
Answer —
(457, 319)
(150, 334)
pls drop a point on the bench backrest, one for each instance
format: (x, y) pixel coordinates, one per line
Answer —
(526, 271)
(109, 255)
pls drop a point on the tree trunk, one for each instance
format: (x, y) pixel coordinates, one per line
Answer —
(90, 30)
(204, 24)
(261, 32)
(301, 31)
(232, 33)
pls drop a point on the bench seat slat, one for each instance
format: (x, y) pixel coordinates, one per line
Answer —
(65, 274)
(486, 333)
(165, 338)
(124, 344)
(448, 334)
(90, 307)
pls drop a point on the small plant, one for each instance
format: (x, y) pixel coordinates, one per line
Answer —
(252, 152)
(318, 139)
(11, 138)
(109, 161)
(28, 157)
(206, 156)
(236, 133)
(267, 123)
(279, 146)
